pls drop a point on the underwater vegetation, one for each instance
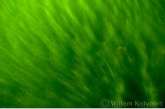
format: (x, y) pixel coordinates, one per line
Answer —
(76, 53)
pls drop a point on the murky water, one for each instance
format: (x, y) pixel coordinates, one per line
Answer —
(74, 53)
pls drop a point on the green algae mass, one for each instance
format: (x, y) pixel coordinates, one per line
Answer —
(74, 53)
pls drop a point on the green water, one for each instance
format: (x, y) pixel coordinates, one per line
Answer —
(74, 53)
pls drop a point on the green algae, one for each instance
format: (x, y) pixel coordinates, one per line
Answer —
(76, 53)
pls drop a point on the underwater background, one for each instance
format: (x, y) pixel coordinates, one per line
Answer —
(75, 53)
